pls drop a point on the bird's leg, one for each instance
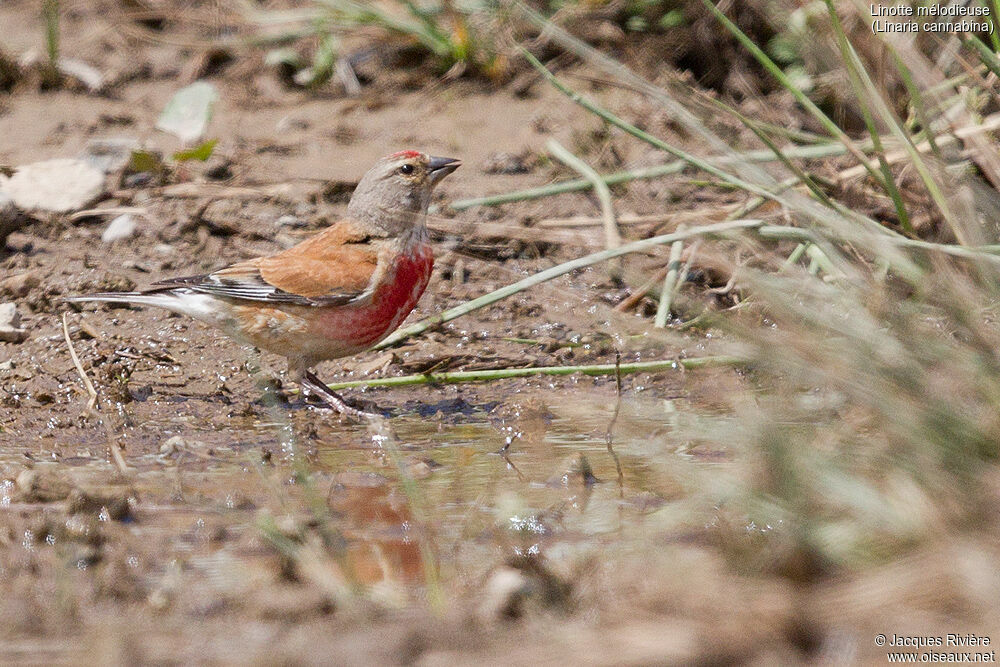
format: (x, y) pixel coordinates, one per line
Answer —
(313, 385)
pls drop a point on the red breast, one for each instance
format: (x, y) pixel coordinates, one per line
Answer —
(393, 299)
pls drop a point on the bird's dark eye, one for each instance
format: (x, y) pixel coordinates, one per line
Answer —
(406, 169)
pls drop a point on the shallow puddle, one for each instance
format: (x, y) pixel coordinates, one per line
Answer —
(288, 511)
(482, 487)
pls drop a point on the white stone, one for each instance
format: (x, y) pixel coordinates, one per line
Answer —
(122, 227)
(10, 331)
(59, 186)
(289, 221)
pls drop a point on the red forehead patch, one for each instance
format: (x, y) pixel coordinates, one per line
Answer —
(402, 154)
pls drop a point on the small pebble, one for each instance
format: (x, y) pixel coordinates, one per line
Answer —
(138, 266)
(19, 285)
(10, 320)
(290, 221)
(122, 227)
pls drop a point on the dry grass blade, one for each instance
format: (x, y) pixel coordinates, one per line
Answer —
(612, 237)
(497, 230)
(643, 173)
(929, 76)
(869, 95)
(787, 83)
(988, 124)
(617, 71)
(113, 447)
(711, 215)
(856, 76)
(91, 392)
(576, 185)
(113, 210)
(879, 240)
(689, 158)
(670, 283)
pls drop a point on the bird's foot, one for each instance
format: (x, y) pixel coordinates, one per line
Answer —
(313, 385)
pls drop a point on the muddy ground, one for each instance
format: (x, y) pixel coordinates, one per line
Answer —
(188, 517)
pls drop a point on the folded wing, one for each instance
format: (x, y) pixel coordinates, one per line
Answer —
(334, 267)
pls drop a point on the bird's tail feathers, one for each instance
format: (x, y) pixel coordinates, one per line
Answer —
(137, 298)
(203, 307)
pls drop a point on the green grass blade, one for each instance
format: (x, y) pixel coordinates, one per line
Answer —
(799, 96)
(640, 134)
(987, 57)
(889, 118)
(851, 63)
(50, 16)
(458, 377)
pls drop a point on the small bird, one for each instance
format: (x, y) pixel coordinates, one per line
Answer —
(333, 295)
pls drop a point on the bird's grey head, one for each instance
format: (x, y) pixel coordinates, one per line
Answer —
(395, 193)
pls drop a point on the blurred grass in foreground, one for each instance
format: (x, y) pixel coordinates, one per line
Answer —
(873, 415)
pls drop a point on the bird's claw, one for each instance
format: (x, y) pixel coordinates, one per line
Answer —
(316, 387)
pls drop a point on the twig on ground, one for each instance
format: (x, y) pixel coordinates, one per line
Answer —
(285, 191)
(633, 299)
(116, 450)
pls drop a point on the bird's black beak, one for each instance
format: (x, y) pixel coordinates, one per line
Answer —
(441, 167)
